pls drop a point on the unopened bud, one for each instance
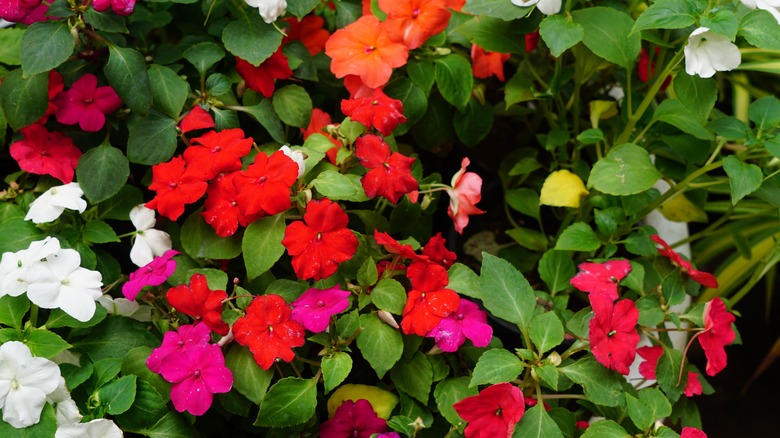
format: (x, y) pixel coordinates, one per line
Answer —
(554, 358)
(435, 350)
(388, 318)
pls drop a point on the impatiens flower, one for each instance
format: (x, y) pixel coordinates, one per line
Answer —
(321, 241)
(692, 432)
(708, 52)
(176, 185)
(693, 387)
(390, 173)
(466, 322)
(25, 381)
(98, 428)
(200, 302)
(296, 156)
(65, 409)
(455, 5)
(492, 413)
(464, 195)
(382, 402)
(437, 252)
(13, 267)
(268, 330)
(531, 41)
(263, 78)
(52, 203)
(60, 283)
(716, 335)
(378, 111)
(153, 273)
(314, 308)
(46, 153)
(357, 88)
(125, 307)
(704, 278)
(149, 242)
(221, 209)
(264, 187)
(392, 246)
(197, 374)
(217, 152)
(38, 14)
(55, 85)
(613, 336)
(310, 31)
(353, 419)
(428, 301)
(270, 10)
(650, 356)
(486, 64)
(186, 338)
(85, 103)
(771, 6)
(17, 10)
(546, 7)
(562, 189)
(601, 278)
(197, 118)
(365, 49)
(645, 70)
(317, 124)
(414, 21)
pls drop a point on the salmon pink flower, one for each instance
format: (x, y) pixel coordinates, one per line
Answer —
(601, 278)
(264, 187)
(716, 335)
(466, 322)
(437, 252)
(86, 104)
(153, 273)
(692, 432)
(221, 209)
(364, 48)
(486, 64)
(198, 301)
(650, 356)
(176, 185)
(197, 118)
(414, 21)
(390, 174)
(187, 337)
(263, 78)
(268, 330)
(197, 374)
(703, 278)
(314, 308)
(310, 31)
(492, 413)
(46, 153)
(465, 193)
(120, 7)
(613, 336)
(17, 10)
(428, 301)
(321, 241)
(378, 111)
(353, 419)
(217, 152)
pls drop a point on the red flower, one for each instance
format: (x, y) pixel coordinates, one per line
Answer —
(645, 70)
(263, 78)
(428, 301)
(531, 41)
(268, 330)
(456, 5)
(317, 124)
(486, 64)
(46, 153)
(650, 356)
(414, 21)
(716, 335)
(264, 187)
(693, 387)
(217, 152)
(309, 31)
(54, 88)
(176, 186)
(322, 241)
(197, 118)
(613, 335)
(221, 208)
(492, 413)
(390, 174)
(378, 110)
(465, 193)
(692, 432)
(394, 247)
(601, 278)
(86, 104)
(357, 89)
(703, 278)
(364, 48)
(353, 419)
(437, 252)
(200, 302)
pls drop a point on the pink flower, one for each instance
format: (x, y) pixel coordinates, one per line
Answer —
(613, 335)
(197, 374)
(86, 104)
(46, 153)
(314, 308)
(704, 278)
(353, 419)
(650, 356)
(692, 432)
(152, 274)
(716, 335)
(188, 336)
(693, 387)
(494, 412)
(120, 7)
(465, 193)
(467, 322)
(17, 10)
(601, 278)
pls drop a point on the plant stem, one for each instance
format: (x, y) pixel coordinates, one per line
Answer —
(678, 188)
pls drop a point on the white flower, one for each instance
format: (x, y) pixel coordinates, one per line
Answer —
(25, 381)
(270, 10)
(61, 283)
(296, 156)
(100, 428)
(546, 7)
(771, 6)
(708, 52)
(13, 266)
(65, 408)
(125, 307)
(148, 241)
(50, 205)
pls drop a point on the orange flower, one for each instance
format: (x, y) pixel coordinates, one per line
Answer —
(309, 31)
(455, 4)
(363, 48)
(486, 64)
(414, 21)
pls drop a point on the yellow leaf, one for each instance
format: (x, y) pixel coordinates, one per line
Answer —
(562, 189)
(680, 209)
(602, 110)
(382, 401)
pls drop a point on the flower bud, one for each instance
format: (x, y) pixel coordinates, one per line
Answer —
(388, 318)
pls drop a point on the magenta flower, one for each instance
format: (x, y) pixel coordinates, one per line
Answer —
(187, 338)
(314, 308)
(601, 278)
(86, 104)
(353, 419)
(120, 7)
(17, 10)
(467, 322)
(197, 374)
(153, 273)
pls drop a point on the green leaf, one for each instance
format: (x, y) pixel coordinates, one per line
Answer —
(169, 91)
(495, 8)
(46, 427)
(203, 56)
(529, 238)
(578, 237)
(667, 14)
(673, 112)
(46, 45)
(293, 105)
(250, 38)
(117, 396)
(13, 309)
(556, 268)
(172, 425)
(368, 274)
(744, 178)
(473, 123)
(262, 244)
(605, 429)
(264, 113)
(505, 292)
(413, 99)
(17, 234)
(537, 423)
(152, 139)
(548, 374)
(546, 331)
(119, 206)
(249, 379)
(450, 391)
(299, 8)
(423, 73)
(24, 100)
(115, 337)
(765, 113)
(379, 343)
(107, 21)
(601, 385)
(389, 295)
(754, 28)
(335, 369)
(147, 409)
(97, 231)
(626, 170)
(696, 94)
(650, 406)
(11, 45)
(454, 79)
(723, 21)
(414, 376)
(58, 318)
(494, 34)
(524, 200)
(102, 172)
(200, 240)
(134, 362)
(650, 312)
(496, 366)
(339, 187)
(464, 281)
(608, 34)
(289, 402)
(44, 343)
(560, 33)
(126, 72)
